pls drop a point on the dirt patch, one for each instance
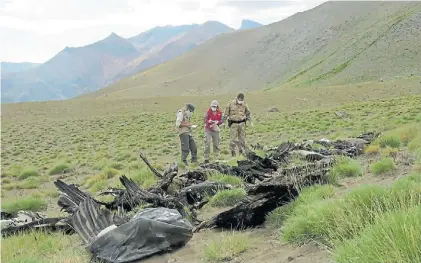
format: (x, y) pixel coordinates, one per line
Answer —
(266, 248)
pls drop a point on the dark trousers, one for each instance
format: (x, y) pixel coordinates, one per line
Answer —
(188, 145)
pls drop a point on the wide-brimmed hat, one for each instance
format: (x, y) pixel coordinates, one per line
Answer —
(190, 107)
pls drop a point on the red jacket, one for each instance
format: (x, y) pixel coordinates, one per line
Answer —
(212, 116)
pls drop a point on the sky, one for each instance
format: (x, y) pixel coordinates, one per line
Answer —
(36, 30)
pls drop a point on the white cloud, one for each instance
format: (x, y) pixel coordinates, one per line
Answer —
(35, 30)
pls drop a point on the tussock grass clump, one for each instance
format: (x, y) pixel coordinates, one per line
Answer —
(227, 179)
(393, 238)
(30, 183)
(59, 167)
(372, 149)
(40, 246)
(383, 166)
(393, 141)
(116, 165)
(307, 197)
(276, 218)
(31, 203)
(346, 167)
(389, 152)
(227, 246)
(334, 221)
(408, 134)
(28, 172)
(90, 181)
(227, 197)
(415, 143)
(111, 172)
(144, 177)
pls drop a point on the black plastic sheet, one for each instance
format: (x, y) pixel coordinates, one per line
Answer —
(151, 231)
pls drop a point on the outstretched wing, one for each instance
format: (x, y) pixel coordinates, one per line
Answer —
(89, 220)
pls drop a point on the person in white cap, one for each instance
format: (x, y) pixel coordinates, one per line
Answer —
(212, 120)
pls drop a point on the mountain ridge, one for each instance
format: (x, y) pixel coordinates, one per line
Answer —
(249, 24)
(77, 70)
(334, 43)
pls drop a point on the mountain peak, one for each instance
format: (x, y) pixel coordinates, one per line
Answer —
(249, 24)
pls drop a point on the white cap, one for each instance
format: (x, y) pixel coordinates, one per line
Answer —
(214, 103)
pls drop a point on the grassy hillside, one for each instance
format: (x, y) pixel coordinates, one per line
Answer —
(333, 44)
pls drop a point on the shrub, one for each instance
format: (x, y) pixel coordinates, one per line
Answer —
(227, 197)
(227, 246)
(384, 165)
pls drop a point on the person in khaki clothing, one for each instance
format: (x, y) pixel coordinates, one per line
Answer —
(212, 120)
(184, 128)
(237, 113)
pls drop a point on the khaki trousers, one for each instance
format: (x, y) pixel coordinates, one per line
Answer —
(212, 136)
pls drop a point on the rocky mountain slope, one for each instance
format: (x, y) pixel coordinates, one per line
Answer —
(165, 49)
(12, 67)
(333, 43)
(75, 71)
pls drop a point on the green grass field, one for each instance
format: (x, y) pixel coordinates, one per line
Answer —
(93, 142)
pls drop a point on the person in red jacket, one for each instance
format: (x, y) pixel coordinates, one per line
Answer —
(212, 119)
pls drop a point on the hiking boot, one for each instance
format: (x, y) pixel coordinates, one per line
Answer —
(233, 153)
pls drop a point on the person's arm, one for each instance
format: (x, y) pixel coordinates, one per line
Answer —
(226, 112)
(179, 119)
(248, 114)
(220, 119)
(205, 118)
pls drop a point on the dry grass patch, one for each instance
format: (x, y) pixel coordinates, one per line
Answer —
(227, 246)
(383, 166)
(42, 246)
(31, 203)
